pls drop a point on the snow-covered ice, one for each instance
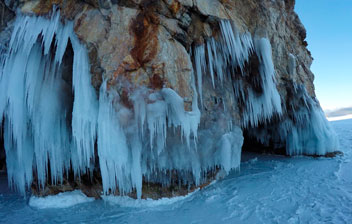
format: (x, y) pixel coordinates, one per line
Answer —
(125, 201)
(61, 200)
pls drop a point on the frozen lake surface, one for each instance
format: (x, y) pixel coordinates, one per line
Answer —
(268, 189)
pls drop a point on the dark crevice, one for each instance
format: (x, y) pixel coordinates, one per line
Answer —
(67, 75)
(6, 14)
(2, 148)
(251, 144)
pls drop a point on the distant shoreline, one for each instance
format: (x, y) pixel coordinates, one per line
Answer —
(339, 118)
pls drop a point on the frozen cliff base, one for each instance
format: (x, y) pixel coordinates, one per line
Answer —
(309, 190)
(146, 107)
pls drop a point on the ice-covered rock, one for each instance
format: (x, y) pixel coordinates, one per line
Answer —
(161, 93)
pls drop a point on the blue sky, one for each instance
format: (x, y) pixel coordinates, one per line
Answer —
(329, 36)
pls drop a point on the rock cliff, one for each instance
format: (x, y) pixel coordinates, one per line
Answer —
(202, 77)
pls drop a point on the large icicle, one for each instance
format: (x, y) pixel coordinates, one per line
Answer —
(113, 146)
(199, 55)
(85, 108)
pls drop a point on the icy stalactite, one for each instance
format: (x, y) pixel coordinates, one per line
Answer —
(85, 107)
(36, 103)
(200, 64)
(113, 150)
(20, 172)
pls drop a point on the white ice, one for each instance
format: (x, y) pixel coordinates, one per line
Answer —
(61, 200)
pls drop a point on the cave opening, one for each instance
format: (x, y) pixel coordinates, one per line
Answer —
(253, 145)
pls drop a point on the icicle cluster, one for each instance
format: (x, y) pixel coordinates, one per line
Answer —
(302, 128)
(50, 122)
(37, 103)
(261, 107)
(226, 56)
(305, 130)
(147, 142)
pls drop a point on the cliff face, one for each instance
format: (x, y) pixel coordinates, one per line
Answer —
(231, 67)
(137, 37)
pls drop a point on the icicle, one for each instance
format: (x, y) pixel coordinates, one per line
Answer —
(157, 124)
(19, 172)
(85, 109)
(211, 61)
(113, 149)
(200, 63)
(218, 60)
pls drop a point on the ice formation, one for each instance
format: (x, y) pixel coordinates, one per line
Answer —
(52, 125)
(158, 138)
(304, 131)
(260, 108)
(301, 126)
(37, 103)
(54, 122)
(231, 53)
